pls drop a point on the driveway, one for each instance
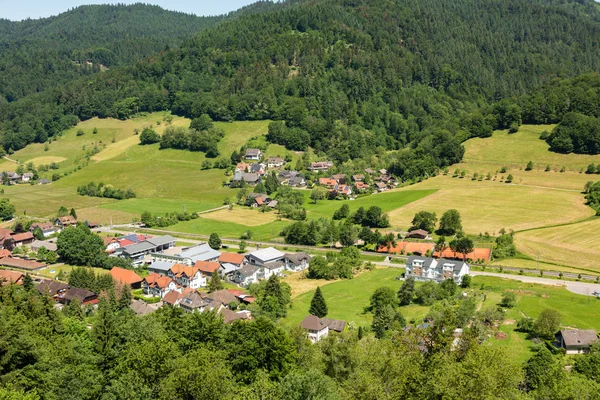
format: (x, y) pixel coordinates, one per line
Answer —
(584, 288)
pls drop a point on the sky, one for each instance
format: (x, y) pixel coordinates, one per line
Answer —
(17, 10)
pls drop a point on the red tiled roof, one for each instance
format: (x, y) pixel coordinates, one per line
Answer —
(231, 258)
(159, 281)
(125, 242)
(108, 240)
(5, 253)
(21, 237)
(207, 267)
(20, 263)
(180, 269)
(327, 182)
(67, 220)
(125, 276)
(172, 297)
(7, 276)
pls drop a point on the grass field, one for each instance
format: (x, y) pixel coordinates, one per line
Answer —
(241, 216)
(489, 206)
(577, 244)
(52, 272)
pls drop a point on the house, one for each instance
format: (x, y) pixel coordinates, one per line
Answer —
(329, 183)
(273, 268)
(65, 222)
(173, 298)
(207, 268)
(23, 239)
(263, 256)
(187, 276)
(317, 328)
(257, 168)
(430, 269)
(126, 277)
(576, 341)
(247, 275)
(320, 165)
(361, 186)
(160, 267)
(381, 186)
(52, 288)
(6, 240)
(193, 301)
(84, 296)
(272, 204)
(296, 261)
(253, 154)
(257, 199)
(340, 178)
(275, 162)
(27, 176)
(48, 244)
(242, 167)
(230, 316)
(249, 178)
(297, 181)
(232, 258)
(383, 171)
(370, 171)
(191, 255)
(7, 277)
(47, 228)
(111, 244)
(158, 285)
(358, 177)
(344, 190)
(418, 234)
(224, 297)
(91, 224)
(141, 307)
(44, 181)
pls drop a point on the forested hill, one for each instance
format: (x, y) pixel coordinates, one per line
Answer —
(41, 53)
(350, 77)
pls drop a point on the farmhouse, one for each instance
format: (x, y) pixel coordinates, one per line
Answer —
(576, 341)
(27, 176)
(253, 154)
(430, 269)
(126, 277)
(44, 181)
(263, 256)
(47, 228)
(249, 178)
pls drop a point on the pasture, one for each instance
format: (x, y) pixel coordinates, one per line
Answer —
(241, 216)
(489, 206)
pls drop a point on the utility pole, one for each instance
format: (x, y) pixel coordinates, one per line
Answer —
(184, 208)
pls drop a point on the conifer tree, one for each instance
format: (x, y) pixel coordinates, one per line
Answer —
(215, 282)
(125, 298)
(318, 306)
(27, 283)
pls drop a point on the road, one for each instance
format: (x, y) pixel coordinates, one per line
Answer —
(584, 288)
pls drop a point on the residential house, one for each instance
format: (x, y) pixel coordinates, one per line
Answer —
(381, 186)
(247, 275)
(173, 298)
(370, 171)
(48, 244)
(257, 168)
(297, 181)
(52, 288)
(576, 341)
(48, 229)
(65, 222)
(340, 178)
(84, 296)
(229, 316)
(275, 162)
(22, 239)
(223, 296)
(320, 166)
(249, 178)
(141, 307)
(418, 234)
(319, 328)
(383, 171)
(361, 186)
(193, 301)
(187, 276)
(343, 190)
(230, 262)
(207, 268)
(7, 277)
(430, 269)
(296, 261)
(27, 176)
(263, 256)
(358, 177)
(126, 277)
(111, 244)
(158, 285)
(329, 183)
(6, 240)
(257, 199)
(273, 268)
(253, 154)
(44, 181)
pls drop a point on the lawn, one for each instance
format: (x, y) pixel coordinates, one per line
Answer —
(575, 244)
(53, 271)
(489, 206)
(346, 299)
(242, 215)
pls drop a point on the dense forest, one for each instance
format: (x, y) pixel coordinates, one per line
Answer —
(110, 353)
(352, 79)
